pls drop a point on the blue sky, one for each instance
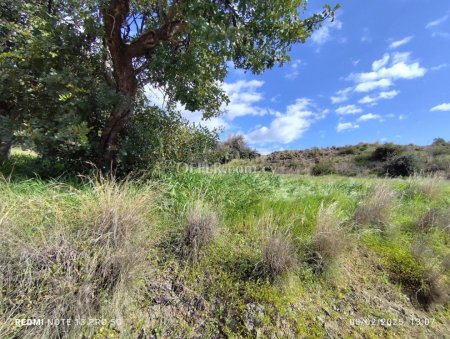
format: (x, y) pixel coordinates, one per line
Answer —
(380, 72)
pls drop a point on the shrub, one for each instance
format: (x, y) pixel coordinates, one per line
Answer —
(322, 168)
(346, 150)
(402, 165)
(279, 256)
(156, 138)
(235, 147)
(328, 241)
(202, 226)
(383, 153)
(377, 206)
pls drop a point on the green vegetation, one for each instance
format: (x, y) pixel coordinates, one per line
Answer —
(229, 254)
(360, 160)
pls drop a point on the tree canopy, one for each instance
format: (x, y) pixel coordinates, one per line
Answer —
(74, 71)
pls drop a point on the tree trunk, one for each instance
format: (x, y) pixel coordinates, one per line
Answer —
(7, 122)
(109, 137)
(126, 86)
(125, 83)
(5, 149)
(114, 14)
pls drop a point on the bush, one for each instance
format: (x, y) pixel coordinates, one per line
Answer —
(383, 153)
(432, 288)
(235, 147)
(402, 165)
(202, 226)
(322, 168)
(156, 138)
(347, 150)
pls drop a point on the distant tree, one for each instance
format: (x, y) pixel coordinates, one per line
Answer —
(439, 142)
(384, 152)
(402, 165)
(235, 147)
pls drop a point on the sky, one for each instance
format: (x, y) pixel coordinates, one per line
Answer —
(379, 72)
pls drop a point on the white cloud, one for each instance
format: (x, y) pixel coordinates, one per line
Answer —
(445, 107)
(439, 67)
(401, 68)
(377, 64)
(437, 22)
(372, 85)
(342, 126)
(369, 116)
(323, 34)
(372, 100)
(349, 109)
(341, 95)
(288, 126)
(441, 35)
(244, 97)
(211, 123)
(398, 43)
(156, 97)
(293, 71)
(434, 26)
(389, 68)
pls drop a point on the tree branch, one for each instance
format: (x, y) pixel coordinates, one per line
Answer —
(149, 40)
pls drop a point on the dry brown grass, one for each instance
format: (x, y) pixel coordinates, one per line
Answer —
(376, 208)
(328, 240)
(430, 186)
(279, 255)
(201, 228)
(435, 218)
(76, 267)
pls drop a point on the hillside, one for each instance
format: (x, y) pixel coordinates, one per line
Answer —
(359, 160)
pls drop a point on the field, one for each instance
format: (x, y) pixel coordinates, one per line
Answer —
(225, 255)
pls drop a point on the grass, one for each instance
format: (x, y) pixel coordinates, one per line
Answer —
(287, 256)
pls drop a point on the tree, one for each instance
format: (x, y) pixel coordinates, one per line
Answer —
(53, 92)
(235, 147)
(183, 47)
(180, 46)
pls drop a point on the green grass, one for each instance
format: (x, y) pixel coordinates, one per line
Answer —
(226, 292)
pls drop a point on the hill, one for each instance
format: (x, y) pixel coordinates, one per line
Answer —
(359, 160)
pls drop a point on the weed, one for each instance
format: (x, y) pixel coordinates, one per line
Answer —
(279, 256)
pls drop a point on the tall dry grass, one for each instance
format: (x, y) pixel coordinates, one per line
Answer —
(429, 186)
(279, 255)
(376, 208)
(201, 228)
(78, 265)
(328, 240)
